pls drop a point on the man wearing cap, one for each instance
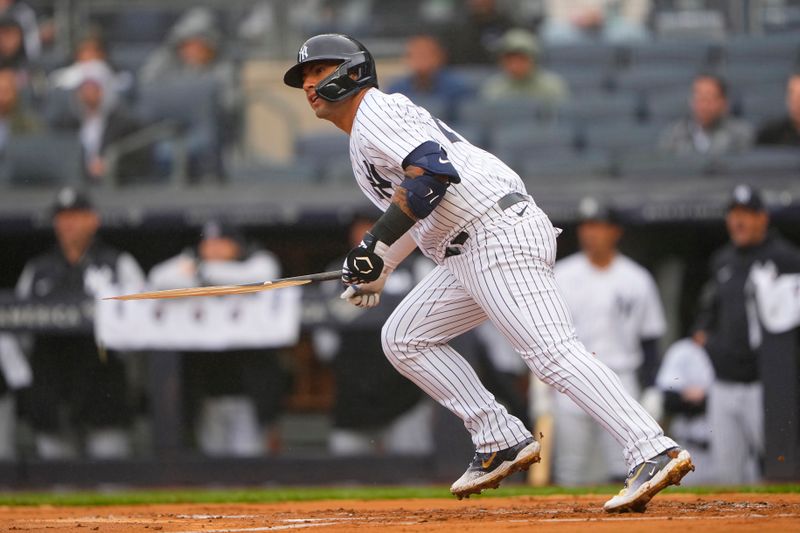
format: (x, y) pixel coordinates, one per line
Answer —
(521, 75)
(229, 389)
(78, 392)
(618, 315)
(729, 329)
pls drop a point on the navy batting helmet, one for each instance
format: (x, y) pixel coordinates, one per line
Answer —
(353, 58)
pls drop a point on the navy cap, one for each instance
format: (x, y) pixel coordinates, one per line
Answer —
(219, 229)
(71, 199)
(746, 196)
(592, 210)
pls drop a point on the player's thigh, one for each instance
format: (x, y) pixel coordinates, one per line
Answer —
(511, 276)
(437, 310)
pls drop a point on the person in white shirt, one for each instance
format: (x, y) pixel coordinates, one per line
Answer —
(231, 392)
(618, 315)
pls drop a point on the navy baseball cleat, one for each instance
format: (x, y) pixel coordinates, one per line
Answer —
(487, 470)
(649, 478)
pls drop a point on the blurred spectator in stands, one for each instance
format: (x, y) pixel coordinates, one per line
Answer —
(521, 75)
(194, 47)
(15, 119)
(101, 121)
(90, 48)
(231, 392)
(581, 21)
(193, 50)
(79, 391)
(366, 419)
(684, 380)
(619, 316)
(730, 331)
(26, 18)
(12, 50)
(785, 131)
(710, 130)
(429, 77)
(473, 34)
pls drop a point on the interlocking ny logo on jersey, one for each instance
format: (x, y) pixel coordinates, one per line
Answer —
(383, 187)
(303, 53)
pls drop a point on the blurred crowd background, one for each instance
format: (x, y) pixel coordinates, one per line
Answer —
(153, 144)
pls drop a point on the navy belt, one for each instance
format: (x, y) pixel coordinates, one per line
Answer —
(503, 203)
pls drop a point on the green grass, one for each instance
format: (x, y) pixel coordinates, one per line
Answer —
(292, 494)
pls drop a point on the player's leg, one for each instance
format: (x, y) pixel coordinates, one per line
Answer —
(507, 268)
(415, 341)
(573, 435)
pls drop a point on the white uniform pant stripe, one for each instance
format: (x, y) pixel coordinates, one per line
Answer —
(523, 302)
(421, 353)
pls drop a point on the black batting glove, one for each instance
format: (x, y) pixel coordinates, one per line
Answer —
(363, 264)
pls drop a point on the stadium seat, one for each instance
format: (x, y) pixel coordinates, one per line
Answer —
(582, 54)
(619, 138)
(601, 108)
(760, 162)
(42, 160)
(643, 79)
(658, 167)
(513, 143)
(192, 103)
(325, 153)
(756, 49)
(758, 106)
(663, 107)
(544, 168)
(691, 53)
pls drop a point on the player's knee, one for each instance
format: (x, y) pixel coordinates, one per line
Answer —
(394, 345)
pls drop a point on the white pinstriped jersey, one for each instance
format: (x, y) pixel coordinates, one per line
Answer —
(387, 128)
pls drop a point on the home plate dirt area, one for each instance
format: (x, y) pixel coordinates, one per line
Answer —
(689, 512)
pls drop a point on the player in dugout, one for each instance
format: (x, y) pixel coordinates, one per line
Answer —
(494, 249)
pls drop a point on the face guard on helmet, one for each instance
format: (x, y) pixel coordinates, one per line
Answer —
(352, 57)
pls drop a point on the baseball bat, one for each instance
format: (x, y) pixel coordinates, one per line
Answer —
(220, 290)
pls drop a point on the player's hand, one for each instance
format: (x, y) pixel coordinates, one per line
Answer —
(361, 266)
(365, 296)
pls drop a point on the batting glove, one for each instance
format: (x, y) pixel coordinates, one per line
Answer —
(364, 263)
(368, 295)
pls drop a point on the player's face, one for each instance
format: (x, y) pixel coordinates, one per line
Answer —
(219, 249)
(708, 102)
(312, 75)
(75, 228)
(598, 238)
(746, 227)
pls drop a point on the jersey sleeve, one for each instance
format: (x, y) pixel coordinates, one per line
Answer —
(653, 324)
(391, 131)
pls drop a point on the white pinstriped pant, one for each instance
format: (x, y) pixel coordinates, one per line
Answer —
(505, 274)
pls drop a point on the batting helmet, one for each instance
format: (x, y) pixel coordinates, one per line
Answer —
(351, 54)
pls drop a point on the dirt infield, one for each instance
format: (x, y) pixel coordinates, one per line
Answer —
(728, 512)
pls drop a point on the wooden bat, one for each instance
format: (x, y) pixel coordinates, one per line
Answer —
(219, 290)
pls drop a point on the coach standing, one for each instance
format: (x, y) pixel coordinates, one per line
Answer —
(78, 392)
(742, 353)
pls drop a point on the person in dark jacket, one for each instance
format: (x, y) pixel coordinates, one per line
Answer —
(784, 131)
(102, 121)
(729, 329)
(79, 393)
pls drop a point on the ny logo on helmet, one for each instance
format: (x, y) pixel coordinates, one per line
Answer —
(303, 53)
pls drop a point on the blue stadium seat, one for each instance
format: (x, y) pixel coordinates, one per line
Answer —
(656, 166)
(602, 107)
(576, 167)
(592, 54)
(749, 49)
(42, 160)
(326, 153)
(654, 77)
(762, 105)
(513, 143)
(617, 138)
(761, 162)
(694, 53)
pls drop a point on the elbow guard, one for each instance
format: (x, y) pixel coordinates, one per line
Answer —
(424, 193)
(432, 158)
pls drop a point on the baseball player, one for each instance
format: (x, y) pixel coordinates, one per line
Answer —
(617, 314)
(494, 249)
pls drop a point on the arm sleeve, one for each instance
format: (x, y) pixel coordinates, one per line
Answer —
(398, 251)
